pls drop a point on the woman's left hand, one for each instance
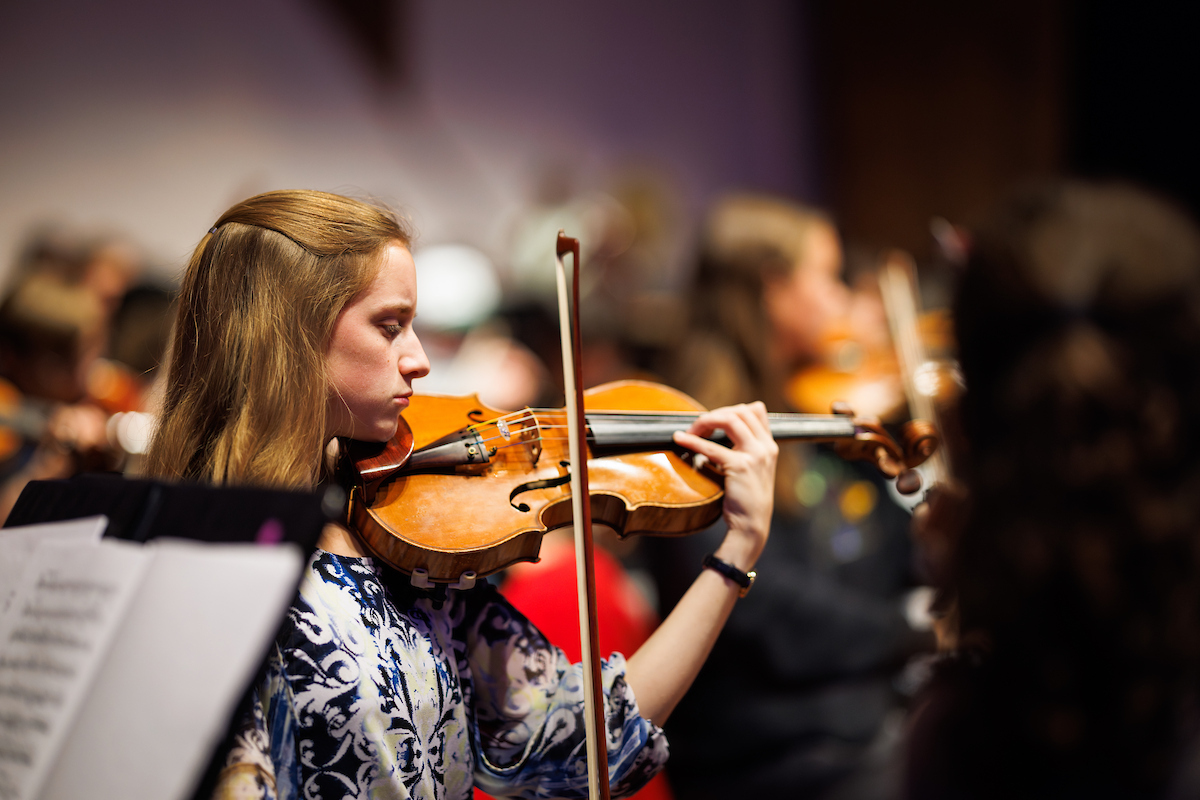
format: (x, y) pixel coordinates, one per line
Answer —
(749, 470)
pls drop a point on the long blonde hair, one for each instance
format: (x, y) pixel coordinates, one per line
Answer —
(747, 239)
(246, 388)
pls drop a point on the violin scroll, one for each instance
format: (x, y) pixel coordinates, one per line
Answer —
(921, 441)
(871, 442)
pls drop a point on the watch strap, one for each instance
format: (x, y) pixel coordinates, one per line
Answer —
(743, 579)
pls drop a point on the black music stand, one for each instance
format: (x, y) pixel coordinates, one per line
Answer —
(141, 510)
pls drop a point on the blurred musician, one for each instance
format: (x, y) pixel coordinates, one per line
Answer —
(798, 698)
(51, 335)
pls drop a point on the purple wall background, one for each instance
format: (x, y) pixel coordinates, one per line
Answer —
(151, 118)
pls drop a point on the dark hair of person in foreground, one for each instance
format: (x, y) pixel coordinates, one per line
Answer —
(1076, 571)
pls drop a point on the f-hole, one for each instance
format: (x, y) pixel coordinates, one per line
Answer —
(547, 483)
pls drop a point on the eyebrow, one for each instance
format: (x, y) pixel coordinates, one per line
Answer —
(402, 308)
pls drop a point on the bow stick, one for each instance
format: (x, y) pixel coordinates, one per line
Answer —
(898, 289)
(581, 507)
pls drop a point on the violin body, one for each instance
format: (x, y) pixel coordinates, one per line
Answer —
(483, 520)
(472, 490)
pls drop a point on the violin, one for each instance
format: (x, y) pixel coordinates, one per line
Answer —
(463, 491)
(878, 354)
(76, 431)
(869, 375)
(107, 421)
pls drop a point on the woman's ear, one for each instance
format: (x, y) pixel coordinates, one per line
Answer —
(333, 451)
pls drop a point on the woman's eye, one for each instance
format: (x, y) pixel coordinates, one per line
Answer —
(392, 330)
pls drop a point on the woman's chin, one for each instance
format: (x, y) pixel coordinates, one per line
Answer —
(364, 430)
(382, 433)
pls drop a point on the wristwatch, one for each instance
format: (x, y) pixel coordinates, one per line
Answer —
(742, 579)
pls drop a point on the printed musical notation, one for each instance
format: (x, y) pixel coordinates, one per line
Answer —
(57, 625)
(114, 653)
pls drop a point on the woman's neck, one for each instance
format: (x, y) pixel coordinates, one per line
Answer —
(341, 542)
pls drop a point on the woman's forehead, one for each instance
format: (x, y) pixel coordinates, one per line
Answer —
(395, 282)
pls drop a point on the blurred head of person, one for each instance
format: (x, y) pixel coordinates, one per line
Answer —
(110, 268)
(768, 285)
(106, 264)
(1077, 571)
(51, 333)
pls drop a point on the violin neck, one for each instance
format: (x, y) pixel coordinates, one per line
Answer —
(812, 426)
(655, 431)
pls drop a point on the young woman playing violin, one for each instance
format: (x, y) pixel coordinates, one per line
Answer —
(295, 328)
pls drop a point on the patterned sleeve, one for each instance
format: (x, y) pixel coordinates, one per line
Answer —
(257, 760)
(528, 701)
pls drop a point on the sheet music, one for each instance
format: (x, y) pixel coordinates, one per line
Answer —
(18, 544)
(121, 663)
(62, 616)
(184, 655)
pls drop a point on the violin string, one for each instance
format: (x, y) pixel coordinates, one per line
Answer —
(520, 422)
(636, 416)
(513, 428)
(643, 416)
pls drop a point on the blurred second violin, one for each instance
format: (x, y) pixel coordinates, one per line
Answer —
(859, 363)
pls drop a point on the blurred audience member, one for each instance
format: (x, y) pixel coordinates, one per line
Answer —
(79, 343)
(51, 334)
(798, 698)
(1076, 569)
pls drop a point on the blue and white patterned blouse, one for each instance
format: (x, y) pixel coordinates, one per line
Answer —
(378, 690)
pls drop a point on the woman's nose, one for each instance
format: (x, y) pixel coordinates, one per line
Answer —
(415, 364)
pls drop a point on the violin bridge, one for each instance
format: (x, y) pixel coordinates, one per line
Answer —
(525, 434)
